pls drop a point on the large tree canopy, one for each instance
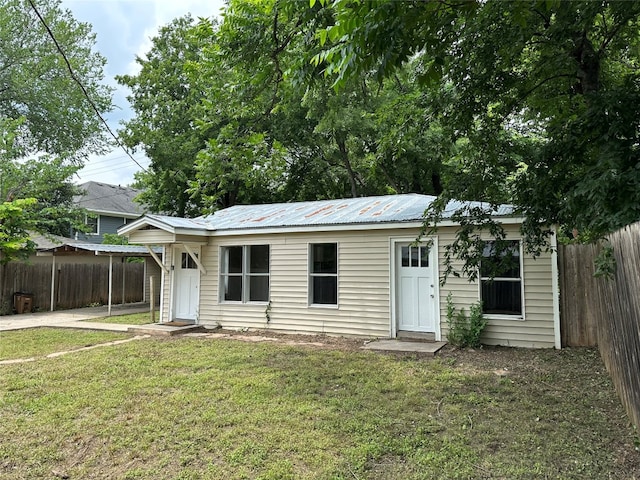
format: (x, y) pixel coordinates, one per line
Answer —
(562, 77)
(35, 83)
(47, 124)
(233, 112)
(167, 103)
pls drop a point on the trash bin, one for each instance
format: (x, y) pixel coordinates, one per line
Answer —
(23, 302)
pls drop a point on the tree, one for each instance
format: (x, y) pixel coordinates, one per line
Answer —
(35, 83)
(47, 125)
(554, 85)
(334, 143)
(167, 102)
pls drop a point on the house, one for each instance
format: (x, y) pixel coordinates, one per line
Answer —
(109, 207)
(342, 267)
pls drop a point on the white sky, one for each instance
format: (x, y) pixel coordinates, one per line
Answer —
(124, 29)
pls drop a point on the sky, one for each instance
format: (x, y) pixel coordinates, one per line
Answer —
(124, 29)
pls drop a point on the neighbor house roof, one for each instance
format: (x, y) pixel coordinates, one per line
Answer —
(109, 199)
(386, 209)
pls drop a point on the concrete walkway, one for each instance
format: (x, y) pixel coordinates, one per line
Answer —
(72, 318)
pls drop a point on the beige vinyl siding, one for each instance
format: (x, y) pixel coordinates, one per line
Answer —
(363, 288)
(363, 285)
(537, 327)
(151, 237)
(166, 285)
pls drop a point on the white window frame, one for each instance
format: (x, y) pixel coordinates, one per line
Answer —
(311, 275)
(504, 316)
(245, 275)
(97, 219)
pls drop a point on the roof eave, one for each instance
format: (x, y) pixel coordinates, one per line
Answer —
(506, 219)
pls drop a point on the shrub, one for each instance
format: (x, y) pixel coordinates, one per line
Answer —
(465, 331)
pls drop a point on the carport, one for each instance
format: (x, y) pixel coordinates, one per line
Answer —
(119, 252)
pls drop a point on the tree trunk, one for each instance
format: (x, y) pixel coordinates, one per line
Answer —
(344, 155)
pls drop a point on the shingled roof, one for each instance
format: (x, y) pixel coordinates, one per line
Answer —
(109, 199)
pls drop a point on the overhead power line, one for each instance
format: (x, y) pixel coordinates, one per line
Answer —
(82, 87)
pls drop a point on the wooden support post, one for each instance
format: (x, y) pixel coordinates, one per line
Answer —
(152, 300)
(110, 281)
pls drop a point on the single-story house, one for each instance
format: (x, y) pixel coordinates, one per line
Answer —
(342, 267)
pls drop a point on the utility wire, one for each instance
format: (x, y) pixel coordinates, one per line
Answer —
(82, 87)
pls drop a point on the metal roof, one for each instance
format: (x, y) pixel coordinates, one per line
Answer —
(364, 210)
(179, 222)
(128, 250)
(53, 243)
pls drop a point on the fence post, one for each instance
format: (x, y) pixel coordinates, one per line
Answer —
(152, 300)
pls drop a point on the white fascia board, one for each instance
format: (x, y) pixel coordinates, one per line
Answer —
(144, 222)
(346, 228)
(113, 214)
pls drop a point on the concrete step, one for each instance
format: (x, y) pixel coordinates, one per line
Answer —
(394, 345)
(165, 329)
(405, 336)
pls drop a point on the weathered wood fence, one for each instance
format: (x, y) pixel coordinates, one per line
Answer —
(606, 312)
(77, 284)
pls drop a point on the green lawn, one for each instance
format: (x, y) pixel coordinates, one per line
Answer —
(38, 342)
(133, 319)
(191, 408)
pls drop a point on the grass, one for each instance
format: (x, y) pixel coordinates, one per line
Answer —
(38, 342)
(190, 408)
(133, 319)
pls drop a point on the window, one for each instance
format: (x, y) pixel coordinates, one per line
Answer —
(244, 273)
(92, 223)
(323, 274)
(187, 262)
(415, 257)
(502, 294)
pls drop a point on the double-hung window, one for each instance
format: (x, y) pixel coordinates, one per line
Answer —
(501, 280)
(92, 224)
(323, 274)
(244, 273)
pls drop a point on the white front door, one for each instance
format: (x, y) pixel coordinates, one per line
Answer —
(187, 288)
(415, 288)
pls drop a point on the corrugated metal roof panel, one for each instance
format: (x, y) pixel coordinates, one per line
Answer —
(116, 249)
(178, 222)
(368, 210)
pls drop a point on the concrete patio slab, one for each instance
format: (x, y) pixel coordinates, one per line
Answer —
(429, 348)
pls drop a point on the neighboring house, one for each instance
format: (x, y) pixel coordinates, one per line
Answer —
(342, 267)
(109, 207)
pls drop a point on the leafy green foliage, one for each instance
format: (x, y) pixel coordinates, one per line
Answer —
(465, 331)
(544, 93)
(269, 127)
(167, 101)
(16, 220)
(37, 86)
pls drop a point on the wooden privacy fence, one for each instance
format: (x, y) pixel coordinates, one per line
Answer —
(606, 311)
(77, 284)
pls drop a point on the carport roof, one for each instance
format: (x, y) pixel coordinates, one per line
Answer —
(55, 244)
